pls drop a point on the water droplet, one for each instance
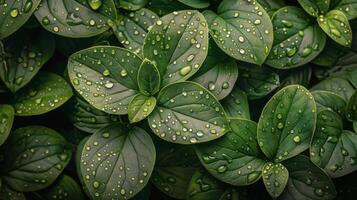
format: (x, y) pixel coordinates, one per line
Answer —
(28, 6)
(123, 73)
(106, 135)
(45, 21)
(193, 140)
(306, 51)
(14, 12)
(190, 58)
(185, 70)
(106, 72)
(96, 184)
(335, 32)
(297, 139)
(287, 23)
(95, 4)
(222, 169)
(319, 192)
(257, 22)
(211, 86)
(225, 85)
(291, 51)
(280, 125)
(109, 84)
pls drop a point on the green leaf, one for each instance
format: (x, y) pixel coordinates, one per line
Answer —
(235, 158)
(148, 78)
(336, 26)
(330, 101)
(330, 55)
(307, 181)
(187, 113)
(297, 39)
(7, 114)
(275, 177)
(15, 14)
(271, 6)
(352, 108)
(196, 3)
(106, 77)
(132, 4)
(355, 126)
(296, 76)
(117, 161)
(76, 18)
(315, 7)
(23, 58)
(174, 168)
(78, 155)
(333, 148)
(236, 104)
(242, 29)
(87, 118)
(177, 44)
(34, 156)
(257, 81)
(163, 7)
(203, 186)
(287, 123)
(44, 93)
(336, 85)
(132, 28)
(140, 107)
(7, 193)
(349, 7)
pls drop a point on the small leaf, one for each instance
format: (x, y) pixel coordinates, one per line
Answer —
(148, 78)
(242, 29)
(352, 108)
(140, 107)
(187, 113)
(257, 81)
(236, 104)
(271, 6)
(235, 158)
(34, 156)
(297, 39)
(336, 25)
(7, 193)
(275, 177)
(107, 82)
(7, 114)
(315, 7)
(287, 123)
(330, 101)
(72, 18)
(307, 181)
(132, 4)
(15, 14)
(46, 92)
(349, 7)
(339, 86)
(117, 161)
(196, 3)
(177, 44)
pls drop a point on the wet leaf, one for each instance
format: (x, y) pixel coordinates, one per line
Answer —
(132, 4)
(352, 108)
(349, 7)
(163, 7)
(236, 104)
(7, 193)
(315, 7)
(7, 114)
(148, 78)
(298, 76)
(140, 107)
(271, 6)
(196, 3)
(337, 85)
(330, 101)
(275, 177)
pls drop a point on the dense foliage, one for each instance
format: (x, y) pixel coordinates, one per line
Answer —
(178, 99)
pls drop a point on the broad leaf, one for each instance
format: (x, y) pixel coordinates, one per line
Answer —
(163, 7)
(22, 59)
(15, 14)
(330, 55)
(132, 28)
(76, 18)
(148, 78)
(242, 29)
(275, 177)
(177, 44)
(140, 107)
(297, 39)
(336, 85)
(336, 26)
(315, 7)
(7, 193)
(235, 158)
(132, 4)
(236, 104)
(307, 181)
(287, 123)
(196, 3)
(333, 148)
(117, 162)
(34, 156)
(7, 114)
(257, 81)
(187, 113)
(349, 7)
(106, 77)
(87, 118)
(330, 101)
(352, 107)
(296, 76)
(47, 91)
(271, 6)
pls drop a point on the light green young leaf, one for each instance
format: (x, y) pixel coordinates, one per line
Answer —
(315, 7)
(140, 107)
(349, 7)
(275, 177)
(236, 104)
(148, 78)
(132, 4)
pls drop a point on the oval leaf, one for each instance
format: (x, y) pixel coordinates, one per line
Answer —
(287, 123)
(187, 113)
(236, 104)
(7, 193)
(336, 85)
(132, 4)
(148, 78)
(330, 101)
(7, 114)
(196, 3)
(271, 6)
(140, 107)
(117, 162)
(297, 76)
(315, 7)
(349, 7)
(275, 177)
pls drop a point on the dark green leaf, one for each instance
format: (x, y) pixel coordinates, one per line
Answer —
(349, 7)
(242, 29)
(76, 18)
(163, 7)
(177, 44)
(307, 181)
(275, 177)
(14, 14)
(336, 25)
(315, 7)
(148, 78)
(287, 123)
(106, 77)
(196, 3)
(235, 158)
(132, 4)
(352, 107)
(34, 156)
(140, 107)
(187, 113)
(44, 93)
(271, 5)
(330, 101)
(236, 104)
(117, 162)
(7, 114)
(78, 155)
(299, 76)
(330, 55)
(336, 85)
(297, 39)
(23, 58)
(7, 193)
